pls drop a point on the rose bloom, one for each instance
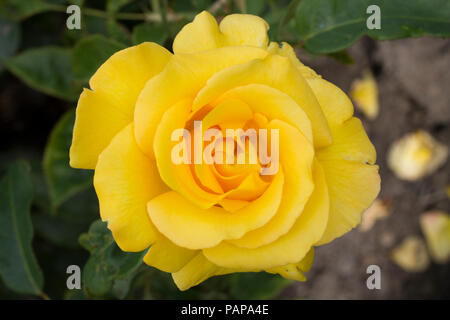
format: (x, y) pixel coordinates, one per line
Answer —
(202, 220)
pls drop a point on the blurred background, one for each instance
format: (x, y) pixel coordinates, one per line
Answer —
(399, 88)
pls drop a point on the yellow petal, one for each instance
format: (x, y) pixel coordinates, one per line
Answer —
(289, 248)
(167, 256)
(233, 205)
(206, 177)
(226, 114)
(191, 227)
(306, 263)
(289, 271)
(416, 155)
(271, 103)
(109, 107)
(183, 77)
(287, 51)
(235, 30)
(277, 72)
(125, 180)
(200, 35)
(250, 188)
(231, 181)
(378, 210)
(244, 30)
(230, 110)
(352, 187)
(365, 93)
(350, 142)
(196, 271)
(335, 104)
(411, 255)
(296, 156)
(178, 177)
(294, 271)
(436, 227)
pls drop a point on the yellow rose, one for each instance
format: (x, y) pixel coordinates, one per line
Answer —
(203, 219)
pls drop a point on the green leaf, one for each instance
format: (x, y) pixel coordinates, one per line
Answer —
(63, 225)
(90, 53)
(115, 5)
(289, 31)
(121, 287)
(342, 56)
(201, 5)
(287, 17)
(256, 285)
(91, 25)
(118, 32)
(332, 25)
(150, 32)
(77, 2)
(18, 265)
(152, 283)
(63, 181)
(46, 69)
(75, 295)
(58, 231)
(20, 9)
(9, 38)
(69, 221)
(256, 6)
(107, 262)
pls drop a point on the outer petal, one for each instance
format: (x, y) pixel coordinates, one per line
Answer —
(350, 142)
(125, 180)
(244, 30)
(295, 271)
(277, 72)
(296, 156)
(352, 186)
(191, 227)
(109, 107)
(167, 256)
(200, 35)
(183, 77)
(287, 51)
(200, 269)
(196, 271)
(235, 30)
(289, 248)
(335, 104)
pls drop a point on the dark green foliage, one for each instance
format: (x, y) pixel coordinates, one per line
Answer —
(58, 204)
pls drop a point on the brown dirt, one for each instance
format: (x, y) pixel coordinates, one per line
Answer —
(413, 78)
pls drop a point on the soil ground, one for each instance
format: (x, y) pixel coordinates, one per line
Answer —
(413, 79)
